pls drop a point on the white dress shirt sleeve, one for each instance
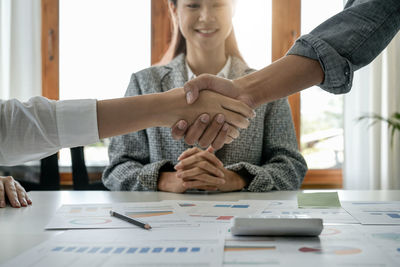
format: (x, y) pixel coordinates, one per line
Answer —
(40, 127)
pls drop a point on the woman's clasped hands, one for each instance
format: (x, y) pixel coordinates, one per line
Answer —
(200, 169)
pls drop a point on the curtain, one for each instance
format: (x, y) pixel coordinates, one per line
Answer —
(20, 49)
(371, 161)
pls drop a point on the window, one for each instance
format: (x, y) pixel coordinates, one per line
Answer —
(252, 24)
(321, 113)
(102, 42)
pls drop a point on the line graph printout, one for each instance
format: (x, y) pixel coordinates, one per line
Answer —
(374, 212)
(128, 247)
(97, 216)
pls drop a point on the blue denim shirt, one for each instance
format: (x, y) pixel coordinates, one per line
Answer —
(350, 40)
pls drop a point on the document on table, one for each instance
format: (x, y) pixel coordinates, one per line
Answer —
(377, 212)
(128, 247)
(338, 245)
(97, 216)
(289, 209)
(215, 212)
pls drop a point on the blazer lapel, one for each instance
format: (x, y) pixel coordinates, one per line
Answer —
(177, 74)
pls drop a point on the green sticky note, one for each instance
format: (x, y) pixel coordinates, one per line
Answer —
(318, 200)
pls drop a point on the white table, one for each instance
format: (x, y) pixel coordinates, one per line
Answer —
(21, 229)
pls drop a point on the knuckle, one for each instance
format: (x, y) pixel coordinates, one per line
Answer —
(9, 179)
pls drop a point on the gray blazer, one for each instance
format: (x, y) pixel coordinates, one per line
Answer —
(266, 152)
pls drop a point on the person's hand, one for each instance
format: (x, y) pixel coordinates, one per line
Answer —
(16, 194)
(203, 170)
(215, 133)
(168, 182)
(230, 88)
(235, 112)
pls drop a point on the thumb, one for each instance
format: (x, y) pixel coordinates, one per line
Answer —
(208, 82)
(193, 87)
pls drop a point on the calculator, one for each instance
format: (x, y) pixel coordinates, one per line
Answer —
(276, 226)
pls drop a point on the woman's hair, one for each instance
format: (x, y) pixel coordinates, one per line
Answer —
(178, 42)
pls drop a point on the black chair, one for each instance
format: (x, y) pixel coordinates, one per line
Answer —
(49, 177)
(80, 175)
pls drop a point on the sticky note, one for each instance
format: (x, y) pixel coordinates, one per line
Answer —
(324, 200)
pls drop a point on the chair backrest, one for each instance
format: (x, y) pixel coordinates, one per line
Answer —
(49, 173)
(49, 176)
(80, 174)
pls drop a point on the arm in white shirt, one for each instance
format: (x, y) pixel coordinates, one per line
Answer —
(40, 127)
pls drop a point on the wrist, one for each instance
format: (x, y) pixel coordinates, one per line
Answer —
(164, 181)
(245, 93)
(238, 182)
(171, 104)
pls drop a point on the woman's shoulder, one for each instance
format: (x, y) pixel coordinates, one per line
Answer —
(152, 78)
(151, 74)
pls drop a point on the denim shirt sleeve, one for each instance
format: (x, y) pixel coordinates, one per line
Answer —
(350, 40)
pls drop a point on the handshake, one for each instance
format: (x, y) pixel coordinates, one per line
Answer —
(210, 118)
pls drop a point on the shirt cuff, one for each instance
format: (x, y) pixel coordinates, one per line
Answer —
(77, 122)
(338, 70)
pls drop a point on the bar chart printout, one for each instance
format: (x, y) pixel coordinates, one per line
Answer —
(374, 212)
(128, 247)
(97, 216)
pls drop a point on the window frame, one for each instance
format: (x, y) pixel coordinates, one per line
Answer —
(286, 27)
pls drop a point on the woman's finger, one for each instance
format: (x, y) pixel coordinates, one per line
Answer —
(200, 156)
(197, 185)
(206, 180)
(189, 152)
(199, 169)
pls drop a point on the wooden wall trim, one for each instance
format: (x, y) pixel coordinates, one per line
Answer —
(286, 27)
(161, 28)
(50, 49)
(330, 178)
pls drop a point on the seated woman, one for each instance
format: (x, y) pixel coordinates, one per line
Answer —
(265, 157)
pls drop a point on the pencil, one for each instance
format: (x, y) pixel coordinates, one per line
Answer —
(136, 222)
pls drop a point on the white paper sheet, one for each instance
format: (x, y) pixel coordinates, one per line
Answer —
(374, 212)
(289, 209)
(338, 245)
(387, 238)
(128, 247)
(214, 212)
(97, 216)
